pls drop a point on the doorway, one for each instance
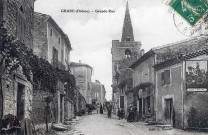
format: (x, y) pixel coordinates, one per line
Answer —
(20, 102)
(168, 110)
(61, 108)
(121, 101)
(144, 106)
(140, 106)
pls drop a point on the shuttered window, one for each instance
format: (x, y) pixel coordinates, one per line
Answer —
(165, 77)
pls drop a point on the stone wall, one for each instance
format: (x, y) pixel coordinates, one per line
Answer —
(40, 46)
(69, 110)
(16, 13)
(10, 94)
(171, 91)
(82, 76)
(39, 106)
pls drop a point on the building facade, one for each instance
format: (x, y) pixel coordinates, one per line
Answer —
(18, 17)
(128, 49)
(158, 82)
(143, 85)
(16, 89)
(97, 92)
(181, 87)
(182, 91)
(53, 45)
(82, 73)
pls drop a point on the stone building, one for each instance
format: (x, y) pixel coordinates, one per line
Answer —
(143, 85)
(181, 85)
(97, 92)
(16, 93)
(126, 50)
(53, 45)
(80, 103)
(152, 85)
(82, 73)
(18, 17)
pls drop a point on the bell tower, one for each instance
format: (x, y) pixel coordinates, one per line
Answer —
(124, 53)
(127, 33)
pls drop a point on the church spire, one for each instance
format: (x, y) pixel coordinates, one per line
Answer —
(127, 34)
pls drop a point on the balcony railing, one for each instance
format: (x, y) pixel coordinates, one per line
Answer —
(58, 64)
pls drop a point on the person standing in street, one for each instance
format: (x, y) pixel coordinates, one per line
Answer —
(130, 117)
(101, 109)
(122, 113)
(135, 113)
(119, 113)
(98, 106)
(109, 111)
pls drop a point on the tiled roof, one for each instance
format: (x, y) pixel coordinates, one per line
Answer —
(173, 50)
(79, 64)
(183, 47)
(180, 58)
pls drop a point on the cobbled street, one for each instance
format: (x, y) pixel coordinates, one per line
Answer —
(100, 124)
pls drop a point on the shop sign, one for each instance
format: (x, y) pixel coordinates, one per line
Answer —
(196, 75)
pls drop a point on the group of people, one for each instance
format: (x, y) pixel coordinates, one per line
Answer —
(101, 108)
(132, 114)
(120, 113)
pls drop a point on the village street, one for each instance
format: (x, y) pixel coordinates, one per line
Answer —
(100, 124)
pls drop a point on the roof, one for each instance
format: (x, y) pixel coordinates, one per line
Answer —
(142, 58)
(127, 26)
(173, 50)
(125, 63)
(180, 58)
(79, 64)
(55, 25)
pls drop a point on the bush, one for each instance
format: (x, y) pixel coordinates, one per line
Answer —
(197, 121)
(10, 121)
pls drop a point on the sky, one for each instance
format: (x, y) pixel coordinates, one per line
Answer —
(91, 34)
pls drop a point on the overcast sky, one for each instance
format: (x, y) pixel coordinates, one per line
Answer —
(91, 34)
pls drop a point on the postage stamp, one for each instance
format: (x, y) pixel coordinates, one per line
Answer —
(191, 10)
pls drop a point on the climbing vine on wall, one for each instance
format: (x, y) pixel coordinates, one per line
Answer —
(15, 54)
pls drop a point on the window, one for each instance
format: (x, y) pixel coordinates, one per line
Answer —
(21, 25)
(150, 72)
(128, 53)
(62, 55)
(55, 57)
(59, 40)
(165, 77)
(128, 39)
(51, 32)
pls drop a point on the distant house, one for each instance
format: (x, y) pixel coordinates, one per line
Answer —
(82, 73)
(97, 92)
